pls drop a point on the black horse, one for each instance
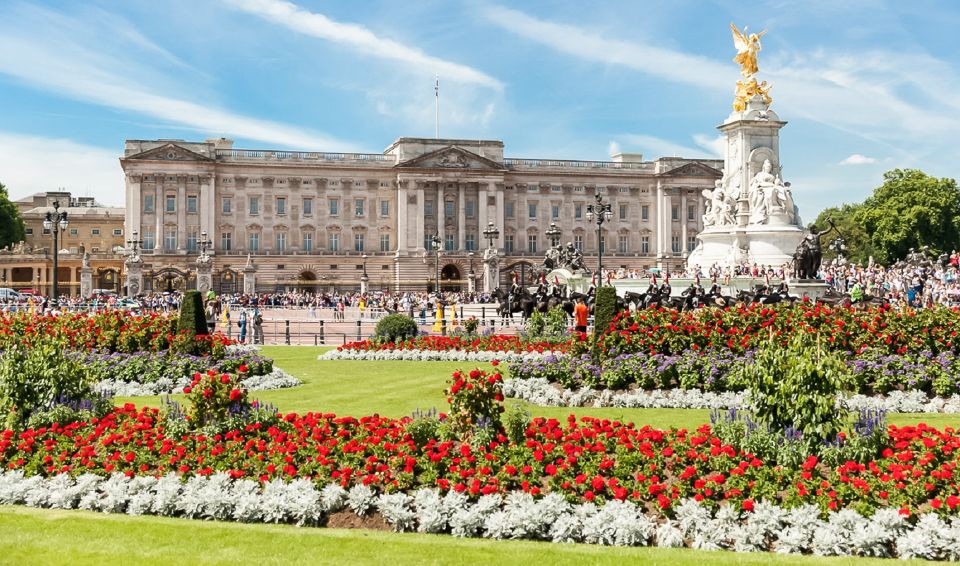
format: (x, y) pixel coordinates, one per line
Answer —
(523, 303)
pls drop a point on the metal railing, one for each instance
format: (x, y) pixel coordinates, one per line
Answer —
(260, 155)
(574, 164)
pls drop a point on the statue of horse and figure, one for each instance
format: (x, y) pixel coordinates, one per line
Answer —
(809, 255)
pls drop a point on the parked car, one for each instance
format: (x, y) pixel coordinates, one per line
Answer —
(8, 294)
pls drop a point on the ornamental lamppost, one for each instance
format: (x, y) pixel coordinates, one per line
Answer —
(56, 222)
(136, 243)
(553, 235)
(491, 233)
(437, 243)
(599, 212)
(471, 281)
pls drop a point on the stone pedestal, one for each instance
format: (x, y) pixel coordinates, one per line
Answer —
(364, 282)
(249, 278)
(491, 276)
(86, 281)
(204, 276)
(574, 281)
(134, 277)
(471, 282)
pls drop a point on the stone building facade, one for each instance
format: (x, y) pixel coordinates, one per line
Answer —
(317, 221)
(93, 229)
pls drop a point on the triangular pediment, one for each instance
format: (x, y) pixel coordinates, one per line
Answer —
(169, 152)
(452, 157)
(695, 169)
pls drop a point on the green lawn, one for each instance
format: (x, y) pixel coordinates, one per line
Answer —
(43, 536)
(398, 388)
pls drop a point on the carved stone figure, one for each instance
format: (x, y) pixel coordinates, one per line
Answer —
(809, 255)
(449, 160)
(85, 262)
(572, 259)
(720, 207)
(491, 270)
(762, 188)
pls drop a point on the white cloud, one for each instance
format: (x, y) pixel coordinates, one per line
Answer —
(715, 145)
(31, 164)
(54, 53)
(654, 147)
(857, 159)
(614, 148)
(361, 38)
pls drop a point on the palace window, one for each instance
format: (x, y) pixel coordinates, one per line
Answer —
(471, 208)
(118, 231)
(428, 208)
(333, 242)
(555, 212)
(149, 240)
(508, 243)
(471, 243)
(73, 231)
(308, 242)
(358, 242)
(623, 212)
(508, 210)
(385, 242)
(226, 241)
(448, 208)
(192, 241)
(254, 242)
(450, 242)
(170, 241)
(675, 243)
(384, 209)
(358, 205)
(577, 211)
(623, 244)
(691, 212)
(675, 213)
(171, 203)
(281, 241)
(645, 245)
(254, 206)
(334, 207)
(308, 207)
(691, 243)
(192, 204)
(578, 242)
(532, 243)
(95, 232)
(148, 204)
(532, 210)
(226, 205)
(645, 212)
(281, 205)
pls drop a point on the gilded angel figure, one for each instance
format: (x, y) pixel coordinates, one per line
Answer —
(747, 48)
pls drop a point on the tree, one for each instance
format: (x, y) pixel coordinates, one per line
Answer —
(11, 224)
(910, 210)
(856, 239)
(192, 317)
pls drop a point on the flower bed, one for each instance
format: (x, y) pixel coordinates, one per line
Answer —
(803, 529)
(719, 369)
(275, 379)
(491, 343)
(845, 329)
(435, 355)
(539, 391)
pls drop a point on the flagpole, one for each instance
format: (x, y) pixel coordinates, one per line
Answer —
(436, 91)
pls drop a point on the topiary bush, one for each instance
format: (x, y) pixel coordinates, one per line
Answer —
(192, 317)
(604, 309)
(396, 327)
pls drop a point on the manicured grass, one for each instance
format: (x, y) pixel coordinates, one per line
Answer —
(397, 388)
(43, 536)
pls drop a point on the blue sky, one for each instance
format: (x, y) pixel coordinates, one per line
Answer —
(866, 86)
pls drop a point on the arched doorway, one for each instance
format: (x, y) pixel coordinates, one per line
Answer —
(450, 278)
(307, 281)
(171, 279)
(526, 274)
(108, 279)
(227, 281)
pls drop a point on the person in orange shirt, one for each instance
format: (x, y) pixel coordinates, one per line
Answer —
(580, 314)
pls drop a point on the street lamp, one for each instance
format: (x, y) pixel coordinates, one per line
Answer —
(55, 222)
(436, 242)
(135, 243)
(471, 284)
(553, 235)
(602, 212)
(203, 244)
(491, 233)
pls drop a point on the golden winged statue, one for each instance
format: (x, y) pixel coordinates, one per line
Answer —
(747, 48)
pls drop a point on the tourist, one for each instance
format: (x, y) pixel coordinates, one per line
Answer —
(257, 326)
(580, 315)
(242, 323)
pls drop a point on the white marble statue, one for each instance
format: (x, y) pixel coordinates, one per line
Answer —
(720, 207)
(762, 194)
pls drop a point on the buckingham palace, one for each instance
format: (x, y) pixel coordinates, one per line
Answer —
(320, 221)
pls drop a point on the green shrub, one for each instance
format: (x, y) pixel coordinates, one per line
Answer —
(192, 317)
(214, 397)
(84, 410)
(795, 388)
(396, 327)
(536, 324)
(604, 309)
(37, 377)
(556, 323)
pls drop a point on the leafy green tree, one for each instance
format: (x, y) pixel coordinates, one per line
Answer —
(856, 239)
(11, 224)
(910, 210)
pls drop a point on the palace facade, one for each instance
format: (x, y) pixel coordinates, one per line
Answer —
(318, 221)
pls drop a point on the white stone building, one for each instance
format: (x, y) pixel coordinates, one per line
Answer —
(316, 220)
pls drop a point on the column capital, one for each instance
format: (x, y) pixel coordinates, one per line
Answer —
(135, 177)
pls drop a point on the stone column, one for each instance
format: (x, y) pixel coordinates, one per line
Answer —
(461, 217)
(402, 215)
(440, 211)
(482, 212)
(683, 222)
(181, 213)
(207, 208)
(498, 219)
(158, 208)
(658, 217)
(418, 245)
(134, 204)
